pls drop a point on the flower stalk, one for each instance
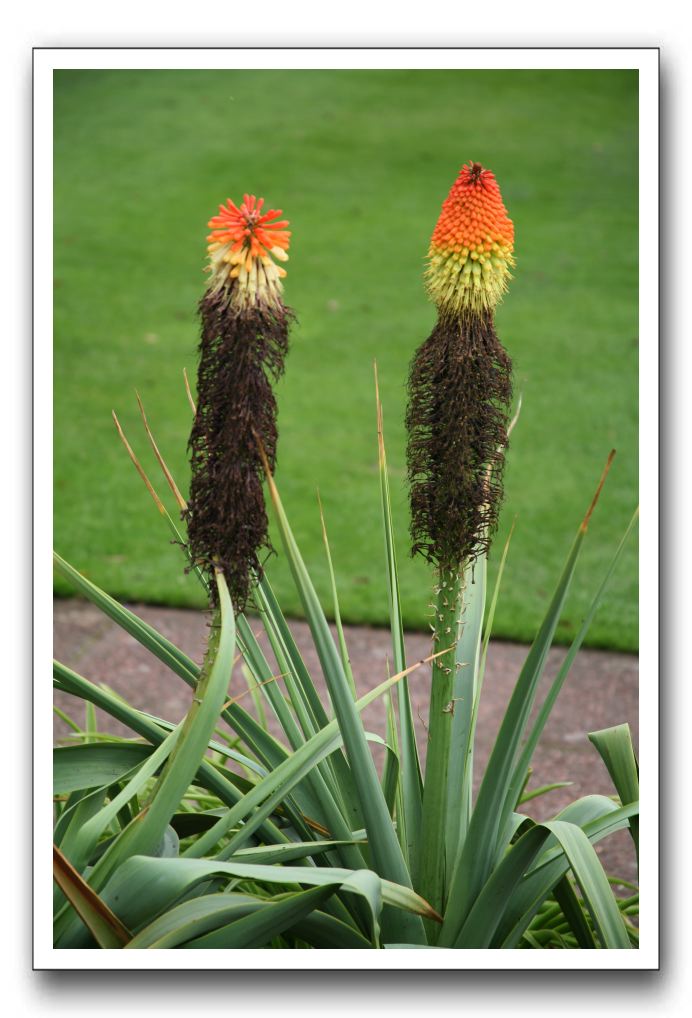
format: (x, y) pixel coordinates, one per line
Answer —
(460, 383)
(460, 390)
(244, 341)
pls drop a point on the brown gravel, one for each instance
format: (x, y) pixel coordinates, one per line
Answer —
(602, 690)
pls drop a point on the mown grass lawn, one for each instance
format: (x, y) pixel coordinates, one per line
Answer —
(360, 162)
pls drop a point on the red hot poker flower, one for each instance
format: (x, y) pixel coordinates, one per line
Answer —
(243, 344)
(460, 388)
(460, 383)
(471, 247)
(243, 246)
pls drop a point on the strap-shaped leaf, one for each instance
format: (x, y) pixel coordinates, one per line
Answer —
(574, 914)
(550, 867)
(524, 760)
(94, 764)
(228, 920)
(490, 905)
(410, 796)
(143, 887)
(384, 846)
(474, 862)
(617, 752)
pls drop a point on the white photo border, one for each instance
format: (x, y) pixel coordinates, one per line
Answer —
(646, 62)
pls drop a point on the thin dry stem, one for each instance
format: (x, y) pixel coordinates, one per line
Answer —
(190, 399)
(594, 500)
(138, 466)
(182, 504)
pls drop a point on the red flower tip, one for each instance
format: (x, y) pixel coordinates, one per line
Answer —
(472, 244)
(242, 247)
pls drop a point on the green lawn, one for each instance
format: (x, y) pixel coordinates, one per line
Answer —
(360, 162)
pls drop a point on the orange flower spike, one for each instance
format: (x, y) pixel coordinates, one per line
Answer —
(243, 247)
(243, 345)
(470, 254)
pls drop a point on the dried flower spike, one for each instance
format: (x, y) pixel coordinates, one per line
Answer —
(244, 341)
(460, 384)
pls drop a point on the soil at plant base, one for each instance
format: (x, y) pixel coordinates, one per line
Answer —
(601, 690)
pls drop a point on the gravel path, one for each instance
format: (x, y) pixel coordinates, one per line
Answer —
(601, 691)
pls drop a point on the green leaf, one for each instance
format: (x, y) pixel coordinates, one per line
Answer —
(268, 750)
(80, 805)
(192, 918)
(228, 921)
(382, 839)
(269, 854)
(474, 862)
(487, 910)
(345, 659)
(142, 887)
(390, 771)
(490, 905)
(311, 795)
(154, 730)
(327, 931)
(81, 839)
(266, 683)
(552, 865)
(314, 796)
(595, 888)
(465, 697)
(338, 799)
(188, 752)
(255, 692)
(410, 808)
(574, 914)
(277, 630)
(265, 924)
(534, 793)
(524, 759)
(272, 789)
(94, 764)
(412, 947)
(67, 719)
(145, 634)
(186, 746)
(617, 752)
(493, 605)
